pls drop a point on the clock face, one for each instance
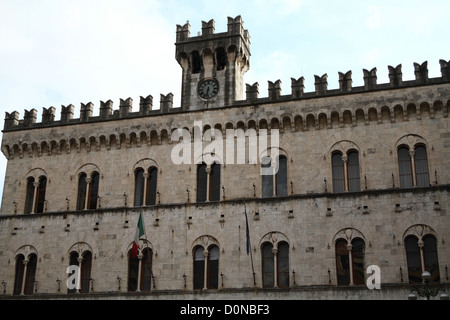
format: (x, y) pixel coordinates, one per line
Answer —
(208, 88)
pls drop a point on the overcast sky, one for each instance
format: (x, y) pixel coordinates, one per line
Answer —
(57, 52)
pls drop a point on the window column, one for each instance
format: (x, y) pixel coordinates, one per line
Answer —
(80, 262)
(422, 258)
(275, 267)
(88, 192)
(413, 167)
(205, 273)
(140, 256)
(350, 260)
(345, 163)
(24, 276)
(146, 175)
(208, 184)
(36, 186)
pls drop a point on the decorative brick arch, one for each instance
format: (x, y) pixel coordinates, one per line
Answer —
(145, 164)
(343, 146)
(36, 173)
(274, 238)
(205, 241)
(411, 140)
(348, 234)
(419, 230)
(88, 168)
(26, 250)
(80, 248)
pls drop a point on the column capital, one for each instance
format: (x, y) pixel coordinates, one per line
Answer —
(420, 243)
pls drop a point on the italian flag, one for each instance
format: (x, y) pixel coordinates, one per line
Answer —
(139, 232)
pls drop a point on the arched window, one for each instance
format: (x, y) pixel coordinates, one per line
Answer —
(85, 265)
(281, 177)
(221, 57)
(350, 262)
(213, 267)
(267, 179)
(275, 265)
(25, 274)
(199, 268)
(142, 262)
(345, 170)
(18, 280)
(358, 249)
(354, 183)
(88, 191)
(196, 62)
(283, 265)
(201, 182)
(208, 261)
(404, 167)
(421, 166)
(85, 272)
(29, 196)
(421, 256)
(35, 195)
(151, 190)
(208, 182)
(267, 265)
(82, 188)
(431, 257)
(338, 172)
(274, 185)
(139, 183)
(93, 192)
(145, 186)
(413, 260)
(214, 178)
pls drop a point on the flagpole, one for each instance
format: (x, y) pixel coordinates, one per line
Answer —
(148, 252)
(146, 246)
(249, 249)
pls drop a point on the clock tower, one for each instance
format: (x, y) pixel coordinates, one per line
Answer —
(213, 64)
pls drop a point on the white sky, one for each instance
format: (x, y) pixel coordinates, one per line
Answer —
(60, 52)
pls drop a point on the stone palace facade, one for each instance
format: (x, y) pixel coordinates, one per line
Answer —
(331, 182)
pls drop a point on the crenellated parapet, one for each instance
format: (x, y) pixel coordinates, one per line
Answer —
(345, 83)
(125, 111)
(106, 113)
(224, 47)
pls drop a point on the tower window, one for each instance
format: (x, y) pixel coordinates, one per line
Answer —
(221, 57)
(196, 62)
